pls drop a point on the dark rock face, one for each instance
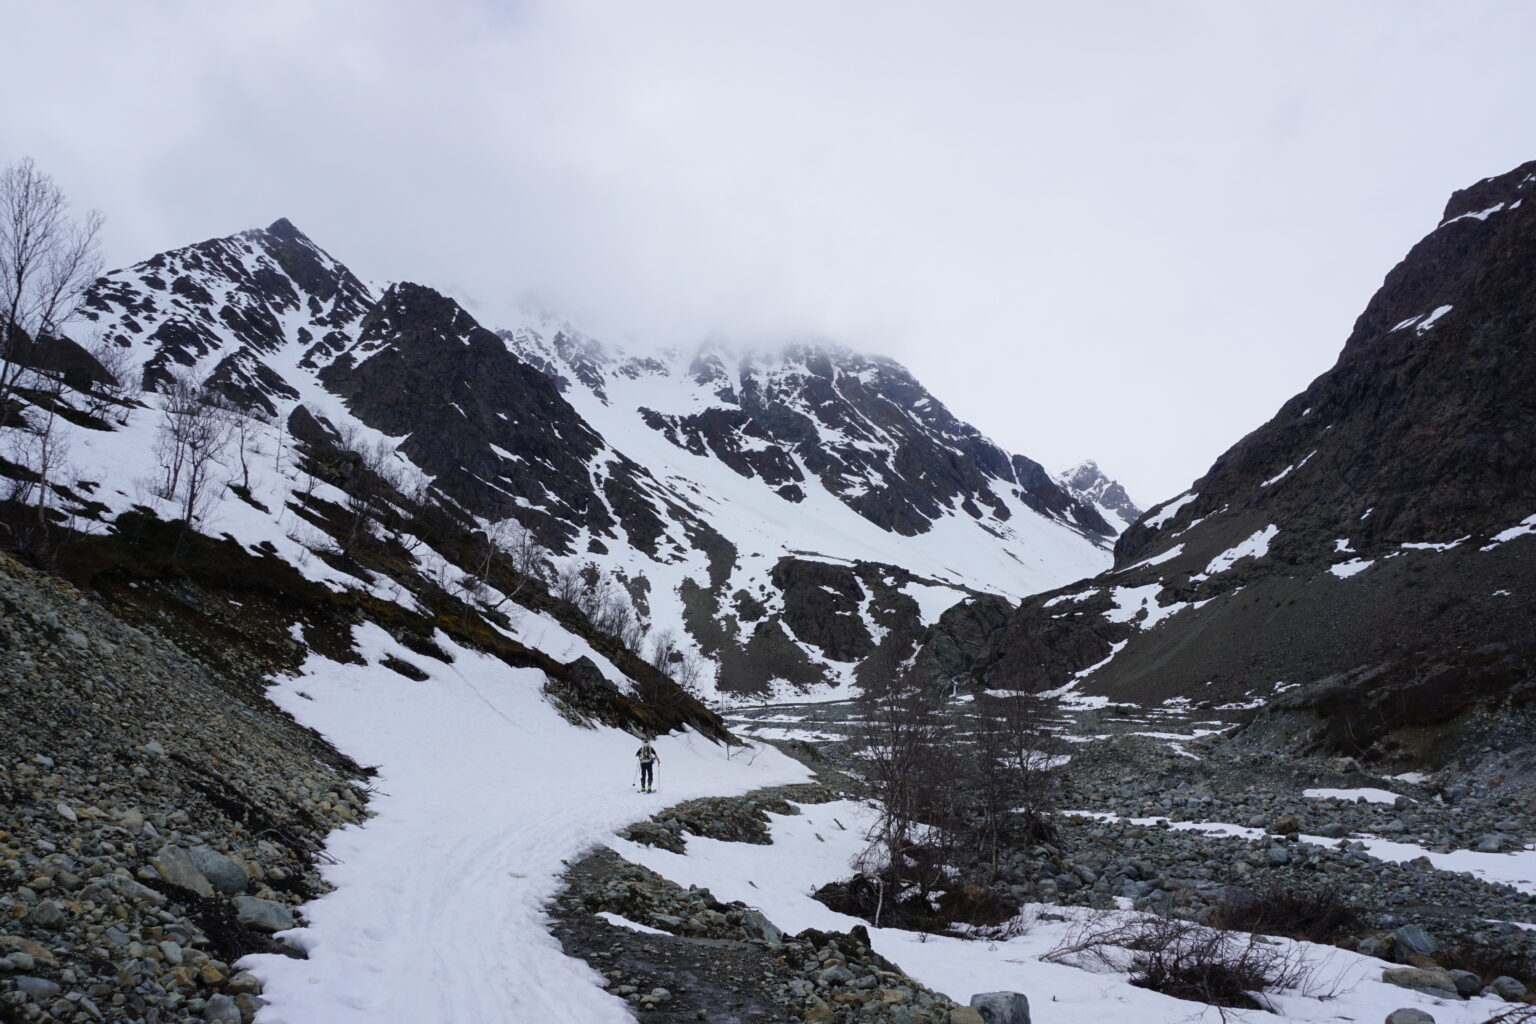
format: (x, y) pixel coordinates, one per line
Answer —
(821, 607)
(486, 425)
(1368, 535)
(1088, 484)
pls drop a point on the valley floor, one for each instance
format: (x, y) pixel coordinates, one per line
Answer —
(485, 799)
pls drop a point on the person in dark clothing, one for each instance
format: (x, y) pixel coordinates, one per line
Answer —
(648, 759)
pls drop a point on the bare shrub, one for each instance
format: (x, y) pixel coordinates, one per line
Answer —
(1277, 906)
(1186, 960)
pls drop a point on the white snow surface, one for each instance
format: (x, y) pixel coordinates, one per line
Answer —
(1170, 510)
(1523, 528)
(1374, 796)
(1157, 559)
(483, 790)
(1255, 546)
(1344, 570)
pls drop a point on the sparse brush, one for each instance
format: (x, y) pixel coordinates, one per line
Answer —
(1278, 906)
(1186, 960)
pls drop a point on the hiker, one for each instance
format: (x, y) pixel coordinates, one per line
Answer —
(648, 758)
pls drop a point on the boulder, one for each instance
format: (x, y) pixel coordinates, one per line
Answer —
(174, 867)
(1408, 1015)
(1432, 980)
(1411, 940)
(263, 915)
(1379, 946)
(759, 927)
(39, 989)
(221, 1009)
(224, 873)
(47, 914)
(1001, 1007)
(1506, 987)
(1467, 983)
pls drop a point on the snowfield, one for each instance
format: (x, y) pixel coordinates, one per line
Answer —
(483, 792)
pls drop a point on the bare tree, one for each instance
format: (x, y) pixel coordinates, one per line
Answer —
(105, 396)
(38, 451)
(664, 650)
(567, 583)
(907, 743)
(194, 432)
(244, 434)
(47, 261)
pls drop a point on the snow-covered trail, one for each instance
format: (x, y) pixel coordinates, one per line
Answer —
(483, 791)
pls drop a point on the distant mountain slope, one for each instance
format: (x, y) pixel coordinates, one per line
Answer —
(1087, 482)
(1376, 538)
(796, 519)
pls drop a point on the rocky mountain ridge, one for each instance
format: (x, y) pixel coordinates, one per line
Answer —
(701, 486)
(1371, 544)
(1088, 483)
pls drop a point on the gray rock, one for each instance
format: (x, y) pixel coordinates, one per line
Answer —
(1408, 1015)
(1379, 946)
(47, 914)
(174, 866)
(1506, 987)
(1333, 830)
(1432, 980)
(1277, 855)
(263, 915)
(1411, 940)
(837, 974)
(1467, 983)
(224, 873)
(759, 927)
(1489, 843)
(1001, 1007)
(221, 1009)
(37, 988)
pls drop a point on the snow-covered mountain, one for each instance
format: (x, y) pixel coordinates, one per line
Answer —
(1376, 538)
(795, 518)
(1087, 483)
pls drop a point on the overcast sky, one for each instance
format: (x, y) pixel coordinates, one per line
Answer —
(1126, 231)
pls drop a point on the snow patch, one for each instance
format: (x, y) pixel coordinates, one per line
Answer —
(1374, 796)
(1170, 510)
(1520, 529)
(1255, 546)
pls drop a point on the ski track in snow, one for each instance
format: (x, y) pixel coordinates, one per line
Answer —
(483, 792)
